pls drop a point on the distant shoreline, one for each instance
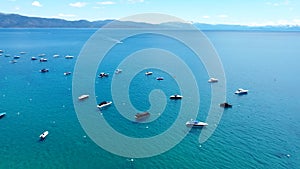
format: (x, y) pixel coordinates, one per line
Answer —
(15, 21)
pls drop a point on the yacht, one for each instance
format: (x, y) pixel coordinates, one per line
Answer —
(67, 73)
(56, 56)
(148, 73)
(69, 57)
(195, 123)
(44, 70)
(2, 115)
(84, 96)
(22, 53)
(241, 91)
(104, 104)
(140, 116)
(225, 105)
(42, 55)
(44, 135)
(213, 80)
(176, 97)
(102, 74)
(1, 51)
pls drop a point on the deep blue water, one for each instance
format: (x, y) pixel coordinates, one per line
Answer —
(262, 130)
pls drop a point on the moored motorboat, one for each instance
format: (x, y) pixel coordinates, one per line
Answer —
(13, 61)
(117, 71)
(1, 51)
(176, 97)
(44, 70)
(44, 135)
(43, 60)
(102, 74)
(213, 80)
(241, 91)
(195, 123)
(148, 73)
(104, 104)
(67, 73)
(84, 96)
(159, 78)
(2, 115)
(69, 57)
(23, 53)
(141, 116)
(42, 55)
(55, 55)
(17, 57)
(33, 58)
(225, 105)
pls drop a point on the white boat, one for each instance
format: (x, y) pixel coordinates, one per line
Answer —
(56, 56)
(22, 53)
(17, 57)
(44, 135)
(2, 115)
(33, 58)
(159, 78)
(69, 57)
(43, 60)
(44, 70)
(195, 123)
(102, 74)
(148, 73)
(117, 71)
(104, 104)
(241, 91)
(84, 96)
(1, 51)
(67, 73)
(42, 55)
(213, 80)
(175, 97)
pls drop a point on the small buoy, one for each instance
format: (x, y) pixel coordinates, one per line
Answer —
(18, 113)
(200, 145)
(3, 95)
(30, 99)
(53, 122)
(131, 160)
(63, 105)
(84, 136)
(288, 155)
(147, 127)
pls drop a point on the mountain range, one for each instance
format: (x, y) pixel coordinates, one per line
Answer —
(19, 21)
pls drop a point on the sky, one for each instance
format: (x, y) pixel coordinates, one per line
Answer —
(238, 12)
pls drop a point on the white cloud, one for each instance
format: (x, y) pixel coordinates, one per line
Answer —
(135, 1)
(281, 3)
(36, 3)
(78, 4)
(106, 3)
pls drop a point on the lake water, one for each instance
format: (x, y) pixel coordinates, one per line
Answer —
(262, 130)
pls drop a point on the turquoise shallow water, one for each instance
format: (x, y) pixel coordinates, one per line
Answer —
(260, 131)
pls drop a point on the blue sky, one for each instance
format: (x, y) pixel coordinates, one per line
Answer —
(244, 12)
